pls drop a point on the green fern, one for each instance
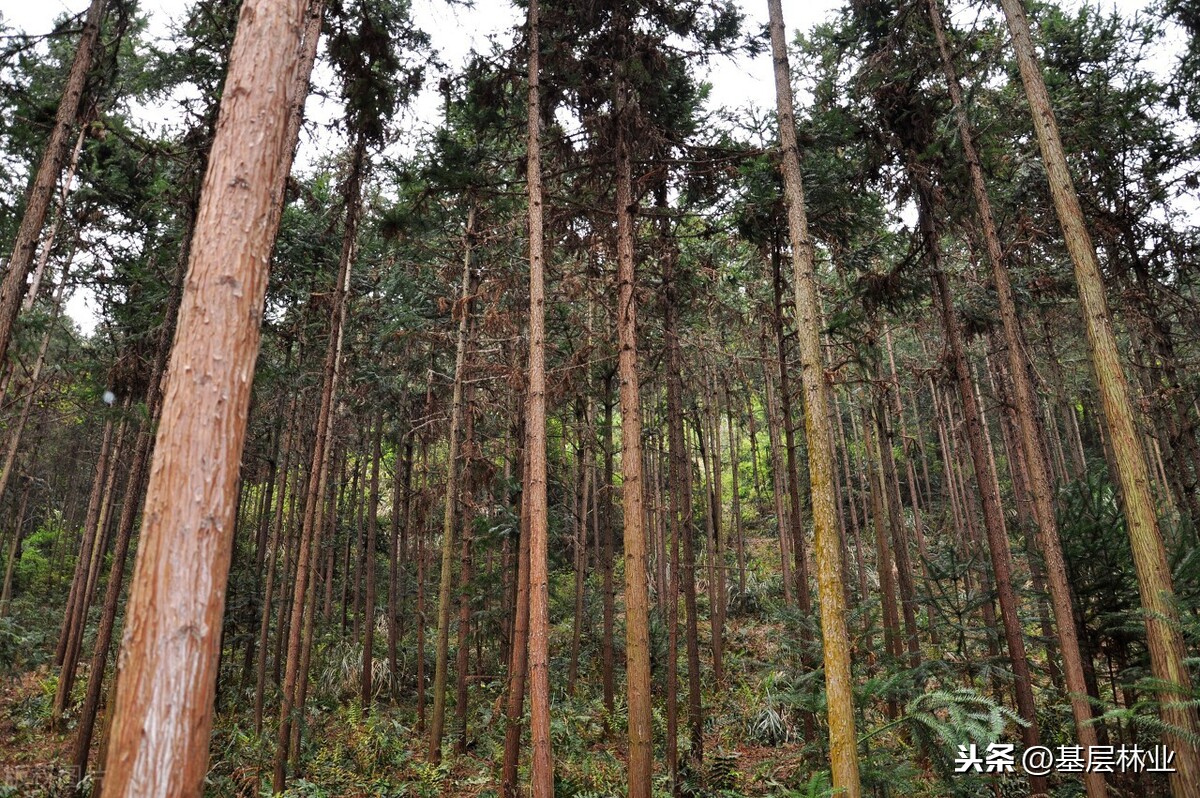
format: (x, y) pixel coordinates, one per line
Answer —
(942, 720)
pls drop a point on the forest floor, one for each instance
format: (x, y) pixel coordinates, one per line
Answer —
(348, 754)
(754, 723)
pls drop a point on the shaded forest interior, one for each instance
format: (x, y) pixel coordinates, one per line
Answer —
(591, 439)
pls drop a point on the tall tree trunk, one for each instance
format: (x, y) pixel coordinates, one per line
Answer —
(1033, 456)
(883, 553)
(680, 511)
(368, 625)
(276, 543)
(799, 556)
(1167, 650)
(672, 742)
(402, 504)
(271, 506)
(717, 554)
(518, 661)
(463, 648)
(843, 744)
(354, 556)
(752, 424)
(855, 529)
(163, 709)
(48, 238)
(41, 191)
(291, 707)
(422, 567)
(985, 478)
(541, 770)
(891, 497)
(83, 560)
(130, 504)
(706, 477)
(442, 651)
(735, 490)
(637, 620)
(583, 483)
(608, 590)
(779, 478)
(911, 479)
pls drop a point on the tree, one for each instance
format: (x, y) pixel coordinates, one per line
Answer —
(542, 766)
(1166, 645)
(167, 679)
(442, 649)
(637, 611)
(41, 191)
(1026, 411)
(843, 744)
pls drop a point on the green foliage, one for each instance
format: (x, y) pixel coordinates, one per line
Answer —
(33, 567)
(942, 720)
(21, 647)
(374, 49)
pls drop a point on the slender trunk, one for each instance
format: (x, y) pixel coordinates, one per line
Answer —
(276, 542)
(402, 504)
(368, 625)
(85, 726)
(883, 553)
(855, 529)
(735, 489)
(682, 529)
(717, 554)
(799, 556)
(463, 648)
(904, 569)
(263, 540)
(83, 560)
(519, 649)
(710, 542)
(777, 473)
(843, 744)
(291, 707)
(993, 513)
(422, 565)
(1019, 474)
(1033, 458)
(541, 772)
(582, 497)
(607, 655)
(1167, 650)
(441, 665)
(353, 574)
(911, 479)
(47, 243)
(41, 191)
(637, 629)
(674, 524)
(752, 423)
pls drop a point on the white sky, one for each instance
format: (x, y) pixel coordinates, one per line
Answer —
(456, 31)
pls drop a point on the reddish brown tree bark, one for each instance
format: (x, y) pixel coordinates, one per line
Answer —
(541, 771)
(163, 709)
